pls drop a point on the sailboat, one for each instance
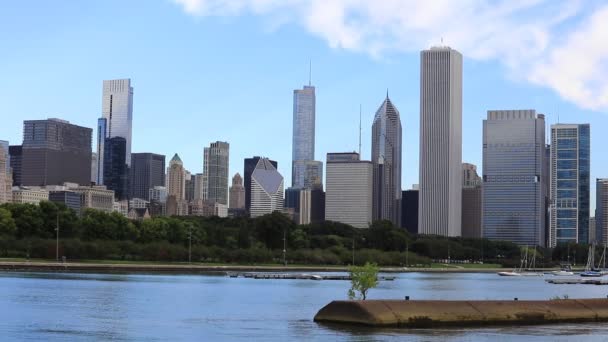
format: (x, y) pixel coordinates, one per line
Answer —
(590, 270)
(518, 272)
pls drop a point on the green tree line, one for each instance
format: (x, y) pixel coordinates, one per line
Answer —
(28, 230)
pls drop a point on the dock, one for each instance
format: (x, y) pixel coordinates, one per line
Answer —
(446, 313)
(584, 281)
(303, 276)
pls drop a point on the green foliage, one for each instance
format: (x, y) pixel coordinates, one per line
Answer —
(7, 224)
(363, 278)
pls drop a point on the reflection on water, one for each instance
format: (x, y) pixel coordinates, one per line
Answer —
(120, 307)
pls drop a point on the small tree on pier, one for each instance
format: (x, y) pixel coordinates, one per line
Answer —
(363, 278)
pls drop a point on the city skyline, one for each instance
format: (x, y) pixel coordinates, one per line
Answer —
(79, 70)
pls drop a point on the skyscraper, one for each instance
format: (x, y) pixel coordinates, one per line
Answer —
(471, 202)
(249, 167)
(237, 193)
(147, 171)
(514, 192)
(570, 188)
(409, 210)
(115, 172)
(215, 171)
(16, 160)
(303, 144)
(94, 167)
(601, 211)
(266, 189)
(386, 160)
(4, 174)
(176, 179)
(117, 109)
(348, 189)
(102, 128)
(440, 142)
(55, 151)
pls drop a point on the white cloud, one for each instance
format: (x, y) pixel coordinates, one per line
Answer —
(561, 45)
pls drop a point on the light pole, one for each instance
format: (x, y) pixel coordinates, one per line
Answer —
(57, 239)
(284, 248)
(190, 245)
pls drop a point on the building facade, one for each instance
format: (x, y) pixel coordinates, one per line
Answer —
(303, 143)
(409, 210)
(68, 198)
(515, 188)
(5, 186)
(27, 195)
(601, 211)
(248, 167)
(15, 161)
(386, 161)
(95, 197)
(471, 202)
(440, 206)
(54, 152)
(176, 179)
(115, 169)
(570, 184)
(117, 110)
(266, 189)
(216, 171)
(147, 171)
(237, 193)
(348, 189)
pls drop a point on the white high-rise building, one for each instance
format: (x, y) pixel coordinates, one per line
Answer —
(348, 189)
(266, 189)
(439, 210)
(117, 109)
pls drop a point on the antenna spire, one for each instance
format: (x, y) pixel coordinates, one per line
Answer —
(387, 93)
(359, 130)
(310, 72)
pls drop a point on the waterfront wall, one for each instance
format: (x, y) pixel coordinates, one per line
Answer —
(433, 313)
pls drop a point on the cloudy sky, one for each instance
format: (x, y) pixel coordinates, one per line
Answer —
(206, 70)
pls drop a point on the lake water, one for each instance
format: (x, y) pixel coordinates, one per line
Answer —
(85, 307)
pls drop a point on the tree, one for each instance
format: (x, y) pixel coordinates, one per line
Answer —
(363, 278)
(7, 224)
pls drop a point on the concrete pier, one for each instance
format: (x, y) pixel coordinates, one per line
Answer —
(437, 313)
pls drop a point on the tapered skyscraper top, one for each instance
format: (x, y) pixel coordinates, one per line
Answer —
(386, 160)
(440, 142)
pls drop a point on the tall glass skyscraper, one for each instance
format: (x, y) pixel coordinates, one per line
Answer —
(601, 211)
(303, 143)
(440, 142)
(515, 188)
(216, 171)
(115, 174)
(117, 109)
(386, 160)
(570, 186)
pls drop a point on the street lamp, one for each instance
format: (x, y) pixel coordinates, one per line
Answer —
(190, 245)
(57, 239)
(284, 248)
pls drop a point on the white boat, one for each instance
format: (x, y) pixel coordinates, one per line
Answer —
(513, 273)
(562, 273)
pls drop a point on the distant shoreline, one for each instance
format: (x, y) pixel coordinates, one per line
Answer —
(184, 268)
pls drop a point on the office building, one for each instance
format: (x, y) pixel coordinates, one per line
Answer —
(515, 190)
(5, 183)
(54, 152)
(147, 171)
(386, 161)
(117, 110)
(200, 188)
(409, 210)
(237, 193)
(317, 205)
(27, 195)
(94, 167)
(96, 197)
(570, 184)
(15, 161)
(348, 189)
(471, 202)
(102, 135)
(176, 179)
(4, 146)
(440, 142)
(249, 166)
(303, 143)
(601, 211)
(68, 198)
(266, 189)
(189, 184)
(158, 194)
(115, 170)
(215, 169)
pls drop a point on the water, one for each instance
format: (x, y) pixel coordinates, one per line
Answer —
(84, 307)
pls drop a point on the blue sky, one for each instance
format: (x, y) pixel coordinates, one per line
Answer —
(207, 70)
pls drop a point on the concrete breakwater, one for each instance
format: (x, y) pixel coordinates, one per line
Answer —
(437, 313)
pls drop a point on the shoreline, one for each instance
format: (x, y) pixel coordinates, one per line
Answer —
(169, 268)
